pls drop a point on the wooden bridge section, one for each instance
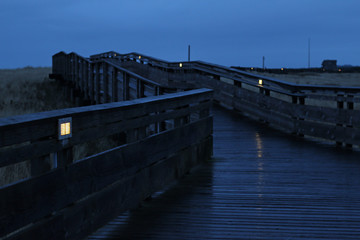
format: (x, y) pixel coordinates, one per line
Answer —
(140, 146)
(330, 113)
(154, 119)
(261, 184)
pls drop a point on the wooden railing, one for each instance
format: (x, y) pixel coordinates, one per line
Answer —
(102, 81)
(327, 112)
(158, 140)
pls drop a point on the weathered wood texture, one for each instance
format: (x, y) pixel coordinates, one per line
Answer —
(261, 184)
(102, 80)
(326, 112)
(73, 198)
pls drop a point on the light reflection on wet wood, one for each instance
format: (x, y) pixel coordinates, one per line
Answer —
(262, 184)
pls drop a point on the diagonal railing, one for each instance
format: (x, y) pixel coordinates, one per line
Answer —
(331, 113)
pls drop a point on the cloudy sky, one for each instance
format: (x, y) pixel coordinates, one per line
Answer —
(227, 32)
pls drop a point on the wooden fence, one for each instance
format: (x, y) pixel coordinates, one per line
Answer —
(158, 140)
(330, 113)
(101, 80)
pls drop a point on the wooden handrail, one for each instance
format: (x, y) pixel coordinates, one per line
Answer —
(314, 110)
(232, 73)
(159, 135)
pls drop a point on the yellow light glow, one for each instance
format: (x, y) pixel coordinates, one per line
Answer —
(115, 54)
(252, 68)
(180, 64)
(260, 82)
(65, 129)
(139, 57)
(339, 70)
(282, 69)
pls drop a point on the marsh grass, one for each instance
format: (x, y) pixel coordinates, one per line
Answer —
(22, 91)
(29, 90)
(313, 78)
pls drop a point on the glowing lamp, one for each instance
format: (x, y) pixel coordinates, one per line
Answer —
(114, 54)
(260, 82)
(139, 57)
(282, 69)
(65, 125)
(339, 69)
(65, 129)
(180, 64)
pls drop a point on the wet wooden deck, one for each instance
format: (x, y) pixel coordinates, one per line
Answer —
(261, 184)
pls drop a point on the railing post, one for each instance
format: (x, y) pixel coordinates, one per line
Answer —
(131, 135)
(297, 100)
(204, 113)
(126, 86)
(68, 68)
(114, 95)
(91, 83)
(139, 88)
(80, 74)
(106, 82)
(72, 77)
(86, 80)
(340, 101)
(350, 102)
(340, 105)
(83, 78)
(65, 157)
(40, 165)
(97, 83)
(350, 106)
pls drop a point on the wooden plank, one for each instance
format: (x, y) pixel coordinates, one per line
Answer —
(40, 165)
(116, 64)
(31, 200)
(97, 83)
(49, 228)
(37, 149)
(41, 148)
(329, 115)
(125, 86)
(253, 110)
(36, 126)
(115, 84)
(282, 187)
(111, 165)
(127, 194)
(329, 132)
(331, 97)
(321, 114)
(106, 82)
(91, 83)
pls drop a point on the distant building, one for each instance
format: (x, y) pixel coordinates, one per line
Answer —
(329, 65)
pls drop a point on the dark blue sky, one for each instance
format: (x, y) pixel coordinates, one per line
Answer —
(227, 32)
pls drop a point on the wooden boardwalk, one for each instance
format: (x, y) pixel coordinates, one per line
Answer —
(261, 184)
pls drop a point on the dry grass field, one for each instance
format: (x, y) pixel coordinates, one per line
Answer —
(312, 78)
(29, 90)
(22, 91)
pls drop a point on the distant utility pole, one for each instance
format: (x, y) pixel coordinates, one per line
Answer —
(309, 53)
(189, 53)
(263, 62)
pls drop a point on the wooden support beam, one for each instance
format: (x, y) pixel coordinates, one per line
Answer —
(115, 84)
(106, 82)
(97, 83)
